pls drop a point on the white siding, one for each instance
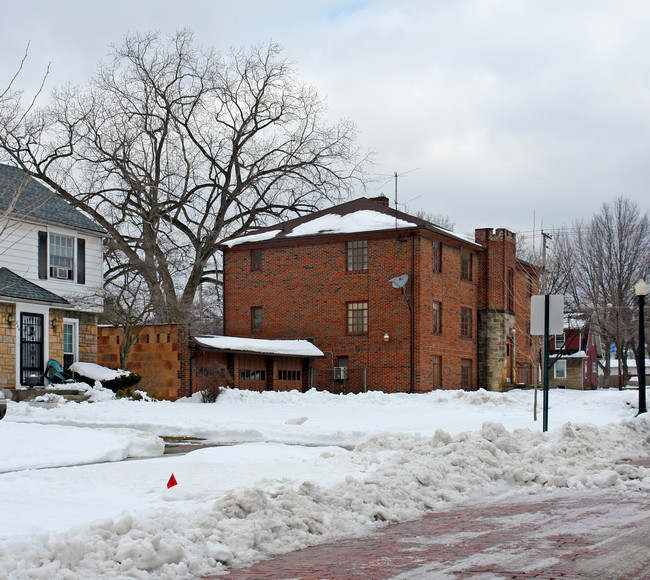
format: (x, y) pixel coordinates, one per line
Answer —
(19, 253)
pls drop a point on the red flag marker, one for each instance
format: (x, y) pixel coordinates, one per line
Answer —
(172, 482)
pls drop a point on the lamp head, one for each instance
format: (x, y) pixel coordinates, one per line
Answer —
(641, 288)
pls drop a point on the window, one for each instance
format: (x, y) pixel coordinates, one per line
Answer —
(287, 375)
(357, 317)
(436, 264)
(61, 257)
(256, 260)
(510, 290)
(58, 258)
(559, 369)
(70, 342)
(529, 285)
(252, 375)
(559, 340)
(465, 265)
(529, 338)
(465, 322)
(256, 318)
(465, 373)
(357, 256)
(437, 317)
(437, 372)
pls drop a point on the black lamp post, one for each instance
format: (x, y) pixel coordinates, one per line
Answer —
(641, 290)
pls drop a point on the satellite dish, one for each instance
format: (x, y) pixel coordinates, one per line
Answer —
(399, 281)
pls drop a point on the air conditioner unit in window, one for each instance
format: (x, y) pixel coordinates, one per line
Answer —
(340, 373)
(61, 273)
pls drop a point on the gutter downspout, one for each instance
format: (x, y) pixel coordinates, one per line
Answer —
(412, 309)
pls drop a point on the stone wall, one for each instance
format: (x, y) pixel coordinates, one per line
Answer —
(494, 328)
(7, 346)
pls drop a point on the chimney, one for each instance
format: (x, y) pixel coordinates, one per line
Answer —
(382, 199)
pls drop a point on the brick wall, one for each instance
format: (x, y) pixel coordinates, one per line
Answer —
(303, 291)
(160, 355)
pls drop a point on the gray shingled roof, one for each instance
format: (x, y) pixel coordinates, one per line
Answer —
(16, 287)
(25, 196)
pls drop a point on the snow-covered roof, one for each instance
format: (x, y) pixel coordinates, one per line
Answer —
(357, 216)
(359, 221)
(577, 354)
(278, 347)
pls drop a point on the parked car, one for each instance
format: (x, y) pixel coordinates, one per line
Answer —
(3, 404)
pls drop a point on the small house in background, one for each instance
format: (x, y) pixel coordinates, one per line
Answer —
(51, 280)
(615, 381)
(574, 355)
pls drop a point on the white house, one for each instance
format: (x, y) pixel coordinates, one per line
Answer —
(50, 280)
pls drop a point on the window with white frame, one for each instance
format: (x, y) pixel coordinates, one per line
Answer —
(559, 369)
(559, 341)
(70, 342)
(61, 257)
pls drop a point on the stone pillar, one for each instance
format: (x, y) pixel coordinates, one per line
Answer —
(494, 328)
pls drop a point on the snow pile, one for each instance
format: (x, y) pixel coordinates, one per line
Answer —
(35, 446)
(398, 477)
(97, 372)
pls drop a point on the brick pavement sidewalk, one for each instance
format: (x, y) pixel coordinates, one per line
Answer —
(569, 534)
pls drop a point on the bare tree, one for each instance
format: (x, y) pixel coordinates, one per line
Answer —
(613, 250)
(172, 149)
(438, 219)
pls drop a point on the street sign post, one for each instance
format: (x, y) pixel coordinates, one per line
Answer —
(546, 318)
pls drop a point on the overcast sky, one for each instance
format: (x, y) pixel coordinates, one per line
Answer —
(494, 111)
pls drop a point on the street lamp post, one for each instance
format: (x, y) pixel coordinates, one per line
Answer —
(641, 290)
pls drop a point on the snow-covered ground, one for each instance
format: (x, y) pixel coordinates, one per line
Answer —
(298, 469)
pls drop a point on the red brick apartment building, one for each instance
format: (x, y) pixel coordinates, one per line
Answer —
(394, 302)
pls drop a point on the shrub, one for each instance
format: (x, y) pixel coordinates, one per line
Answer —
(129, 393)
(120, 383)
(210, 394)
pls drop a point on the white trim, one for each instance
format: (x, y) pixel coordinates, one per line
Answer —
(557, 364)
(75, 337)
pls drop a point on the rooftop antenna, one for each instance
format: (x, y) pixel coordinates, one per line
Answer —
(395, 174)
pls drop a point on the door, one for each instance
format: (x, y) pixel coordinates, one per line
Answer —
(289, 374)
(31, 349)
(509, 361)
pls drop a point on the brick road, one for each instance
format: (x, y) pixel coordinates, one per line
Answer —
(570, 534)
